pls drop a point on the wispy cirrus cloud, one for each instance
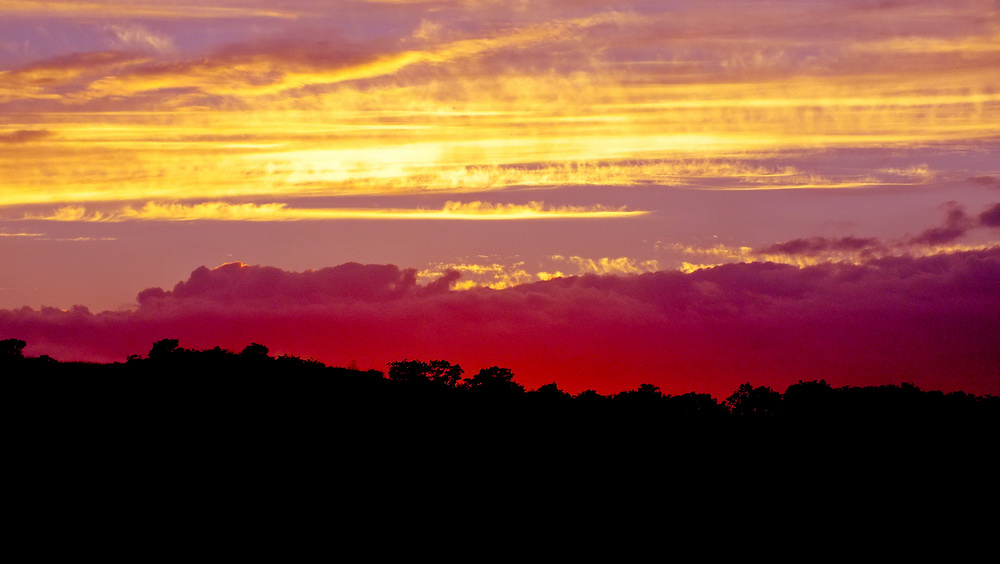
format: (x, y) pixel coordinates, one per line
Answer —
(988, 181)
(170, 9)
(6, 234)
(24, 136)
(223, 211)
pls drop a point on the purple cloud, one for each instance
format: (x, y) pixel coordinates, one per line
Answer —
(930, 320)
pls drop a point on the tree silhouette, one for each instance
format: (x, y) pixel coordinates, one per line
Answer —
(550, 392)
(494, 381)
(750, 401)
(163, 349)
(444, 373)
(808, 399)
(645, 392)
(439, 372)
(590, 395)
(12, 348)
(694, 404)
(207, 381)
(254, 351)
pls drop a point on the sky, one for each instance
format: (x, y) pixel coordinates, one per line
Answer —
(601, 194)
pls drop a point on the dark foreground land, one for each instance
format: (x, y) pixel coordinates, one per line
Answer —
(181, 385)
(187, 444)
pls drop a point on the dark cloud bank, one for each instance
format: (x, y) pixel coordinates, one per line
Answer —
(933, 321)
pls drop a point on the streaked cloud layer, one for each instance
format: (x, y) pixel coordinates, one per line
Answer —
(222, 211)
(330, 98)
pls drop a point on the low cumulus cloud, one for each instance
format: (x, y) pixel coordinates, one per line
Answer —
(238, 284)
(929, 320)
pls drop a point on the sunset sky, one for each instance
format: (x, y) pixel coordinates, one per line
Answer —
(771, 191)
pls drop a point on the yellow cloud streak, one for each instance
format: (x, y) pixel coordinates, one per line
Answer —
(930, 45)
(4, 234)
(53, 172)
(111, 9)
(263, 75)
(222, 211)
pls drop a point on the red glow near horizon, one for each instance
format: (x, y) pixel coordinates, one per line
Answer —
(708, 331)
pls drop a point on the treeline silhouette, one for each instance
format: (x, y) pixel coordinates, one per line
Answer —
(184, 425)
(253, 381)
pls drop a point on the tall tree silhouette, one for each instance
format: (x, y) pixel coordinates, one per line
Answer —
(254, 351)
(495, 381)
(163, 349)
(439, 372)
(750, 401)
